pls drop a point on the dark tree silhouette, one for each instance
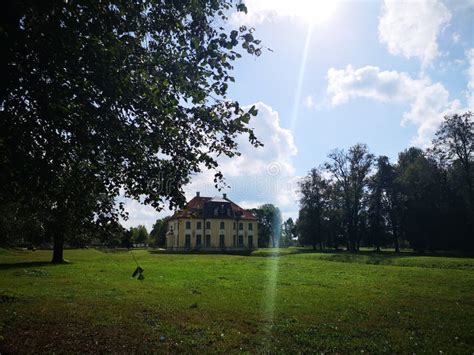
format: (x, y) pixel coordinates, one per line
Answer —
(313, 203)
(99, 97)
(351, 170)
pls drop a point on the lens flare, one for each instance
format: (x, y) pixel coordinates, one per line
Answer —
(301, 75)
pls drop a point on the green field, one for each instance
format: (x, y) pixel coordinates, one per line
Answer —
(303, 302)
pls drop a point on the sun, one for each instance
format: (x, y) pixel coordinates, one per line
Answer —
(315, 11)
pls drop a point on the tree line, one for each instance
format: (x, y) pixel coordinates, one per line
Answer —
(424, 199)
(136, 236)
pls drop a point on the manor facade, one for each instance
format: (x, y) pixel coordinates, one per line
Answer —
(212, 223)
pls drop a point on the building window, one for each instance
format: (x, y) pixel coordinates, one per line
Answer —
(188, 224)
(234, 240)
(198, 225)
(233, 227)
(208, 240)
(250, 241)
(222, 225)
(241, 226)
(187, 241)
(198, 240)
(222, 240)
(250, 226)
(208, 225)
(241, 240)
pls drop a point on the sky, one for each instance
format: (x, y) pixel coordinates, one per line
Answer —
(333, 74)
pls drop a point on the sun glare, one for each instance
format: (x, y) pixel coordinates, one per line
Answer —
(316, 11)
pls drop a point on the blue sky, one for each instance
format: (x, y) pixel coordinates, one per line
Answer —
(340, 72)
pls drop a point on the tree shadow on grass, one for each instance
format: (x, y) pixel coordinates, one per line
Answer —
(28, 264)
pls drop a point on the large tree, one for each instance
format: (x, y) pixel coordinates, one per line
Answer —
(453, 148)
(99, 97)
(423, 215)
(351, 172)
(377, 221)
(454, 142)
(313, 201)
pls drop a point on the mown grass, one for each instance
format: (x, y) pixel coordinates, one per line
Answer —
(299, 302)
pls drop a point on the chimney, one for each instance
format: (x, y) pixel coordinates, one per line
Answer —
(197, 193)
(224, 196)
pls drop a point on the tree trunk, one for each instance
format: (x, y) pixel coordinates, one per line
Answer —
(58, 248)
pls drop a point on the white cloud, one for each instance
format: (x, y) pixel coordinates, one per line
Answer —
(470, 78)
(141, 214)
(260, 175)
(411, 28)
(309, 102)
(428, 101)
(456, 37)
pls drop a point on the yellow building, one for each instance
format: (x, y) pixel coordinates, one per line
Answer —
(212, 223)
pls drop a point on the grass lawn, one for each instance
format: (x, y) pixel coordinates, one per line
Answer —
(331, 302)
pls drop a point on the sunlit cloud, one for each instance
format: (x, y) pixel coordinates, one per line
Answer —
(428, 102)
(411, 28)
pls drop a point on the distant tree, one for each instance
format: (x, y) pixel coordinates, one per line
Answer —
(454, 141)
(423, 216)
(333, 220)
(112, 234)
(377, 214)
(288, 232)
(453, 148)
(351, 171)
(269, 225)
(312, 203)
(158, 233)
(127, 240)
(392, 200)
(102, 97)
(139, 234)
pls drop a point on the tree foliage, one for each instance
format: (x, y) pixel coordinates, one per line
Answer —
(313, 189)
(102, 97)
(139, 235)
(288, 232)
(269, 225)
(158, 233)
(350, 170)
(424, 199)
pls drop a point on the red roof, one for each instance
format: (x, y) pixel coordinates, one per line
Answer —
(195, 207)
